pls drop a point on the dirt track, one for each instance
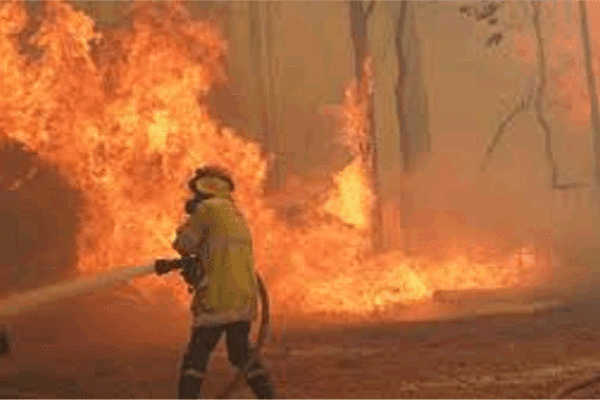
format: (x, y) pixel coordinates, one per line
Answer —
(82, 350)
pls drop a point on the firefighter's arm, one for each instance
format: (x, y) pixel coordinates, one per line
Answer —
(188, 242)
(185, 264)
(193, 232)
(183, 244)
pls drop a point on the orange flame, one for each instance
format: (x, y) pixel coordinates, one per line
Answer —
(127, 122)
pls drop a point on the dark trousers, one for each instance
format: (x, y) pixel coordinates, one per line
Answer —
(197, 357)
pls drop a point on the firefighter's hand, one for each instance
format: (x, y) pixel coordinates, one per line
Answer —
(189, 267)
(163, 266)
(187, 277)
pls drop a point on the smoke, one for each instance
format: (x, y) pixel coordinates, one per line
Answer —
(39, 219)
(457, 206)
(39, 216)
(496, 211)
(577, 241)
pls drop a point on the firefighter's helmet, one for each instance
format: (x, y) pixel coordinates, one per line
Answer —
(211, 181)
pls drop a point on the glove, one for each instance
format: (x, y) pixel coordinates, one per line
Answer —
(188, 279)
(189, 269)
(163, 266)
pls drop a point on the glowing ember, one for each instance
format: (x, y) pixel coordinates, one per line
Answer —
(127, 123)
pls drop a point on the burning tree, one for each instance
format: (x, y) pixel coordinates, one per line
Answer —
(399, 121)
(362, 69)
(138, 125)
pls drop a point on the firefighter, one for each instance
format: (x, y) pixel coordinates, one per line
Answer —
(216, 249)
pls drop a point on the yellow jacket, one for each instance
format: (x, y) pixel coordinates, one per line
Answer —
(225, 284)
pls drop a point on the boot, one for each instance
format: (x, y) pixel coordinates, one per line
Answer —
(262, 386)
(189, 387)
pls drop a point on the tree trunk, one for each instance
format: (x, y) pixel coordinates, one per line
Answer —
(403, 70)
(266, 116)
(373, 163)
(257, 94)
(276, 137)
(540, 95)
(405, 235)
(358, 31)
(411, 108)
(594, 116)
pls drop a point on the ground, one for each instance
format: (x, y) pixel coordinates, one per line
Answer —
(82, 348)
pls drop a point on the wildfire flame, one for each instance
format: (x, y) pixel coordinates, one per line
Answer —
(124, 116)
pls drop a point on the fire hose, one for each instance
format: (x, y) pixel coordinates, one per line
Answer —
(567, 392)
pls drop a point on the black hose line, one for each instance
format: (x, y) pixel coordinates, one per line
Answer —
(263, 330)
(567, 392)
(5, 344)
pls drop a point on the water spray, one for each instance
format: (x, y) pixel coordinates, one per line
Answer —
(19, 303)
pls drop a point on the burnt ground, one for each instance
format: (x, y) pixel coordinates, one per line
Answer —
(102, 347)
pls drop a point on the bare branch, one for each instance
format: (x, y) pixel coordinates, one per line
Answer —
(538, 97)
(541, 90)
(521, 106)
(591, 83)
(494, 39)
(466, 10)
(539, 103)
(566, 186)
(405, 148)
(370, 8)
(402, 72)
